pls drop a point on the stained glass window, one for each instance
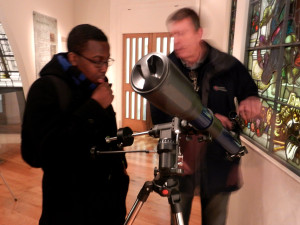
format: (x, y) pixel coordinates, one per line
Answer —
(273, 59)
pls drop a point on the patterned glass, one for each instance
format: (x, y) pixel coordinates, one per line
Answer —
(273, 60)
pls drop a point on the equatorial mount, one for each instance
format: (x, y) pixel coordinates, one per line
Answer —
(165, 182)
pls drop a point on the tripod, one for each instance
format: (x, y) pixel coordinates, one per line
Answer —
(165, 181)
(164, 186)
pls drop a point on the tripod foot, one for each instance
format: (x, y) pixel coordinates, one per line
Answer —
(12, 194)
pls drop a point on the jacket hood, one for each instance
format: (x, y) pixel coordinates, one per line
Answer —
(53, 67)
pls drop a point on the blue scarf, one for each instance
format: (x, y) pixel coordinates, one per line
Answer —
(78, 77)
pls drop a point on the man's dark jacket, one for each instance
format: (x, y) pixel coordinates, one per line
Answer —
(78, 188)
(221, 77)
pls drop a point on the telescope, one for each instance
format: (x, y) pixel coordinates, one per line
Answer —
(157, 79)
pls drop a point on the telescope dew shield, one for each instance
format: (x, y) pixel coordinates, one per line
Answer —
(158, 80)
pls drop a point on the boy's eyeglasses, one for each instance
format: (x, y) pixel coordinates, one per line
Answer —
(99, 64)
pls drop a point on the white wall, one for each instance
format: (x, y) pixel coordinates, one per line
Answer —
(93, 12)
(270, 194)
(16, 17)
(215, 22)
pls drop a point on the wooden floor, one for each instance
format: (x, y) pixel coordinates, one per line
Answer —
(25, 183)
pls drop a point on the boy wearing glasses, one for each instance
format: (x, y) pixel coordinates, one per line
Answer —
(67, 116)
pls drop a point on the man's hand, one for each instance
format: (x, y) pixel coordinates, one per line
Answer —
(103, 94)
(249, 108)
(225, 121)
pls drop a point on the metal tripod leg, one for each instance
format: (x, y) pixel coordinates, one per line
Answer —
(176, 208)
(142, 198)
(12, 194)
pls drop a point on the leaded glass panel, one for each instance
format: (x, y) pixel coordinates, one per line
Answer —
(273, 60)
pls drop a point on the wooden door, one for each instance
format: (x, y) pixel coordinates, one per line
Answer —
(136, 110)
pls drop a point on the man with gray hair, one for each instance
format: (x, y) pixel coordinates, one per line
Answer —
(218, 78)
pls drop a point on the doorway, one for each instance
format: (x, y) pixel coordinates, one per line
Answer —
(136, 109)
